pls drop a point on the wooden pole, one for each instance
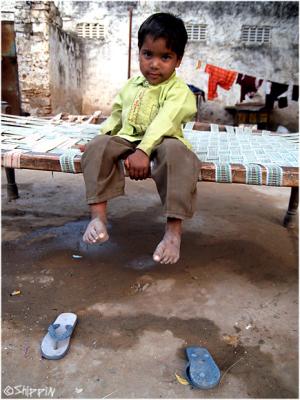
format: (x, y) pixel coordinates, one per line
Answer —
(290, 218)
(129, 42)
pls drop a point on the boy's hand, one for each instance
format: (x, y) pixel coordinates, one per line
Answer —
(138, 165)
(81, 147)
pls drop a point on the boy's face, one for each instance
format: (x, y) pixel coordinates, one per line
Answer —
(157, 62)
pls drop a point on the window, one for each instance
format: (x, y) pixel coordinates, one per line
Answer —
(90, 30)
(256, 34)
(196, 32)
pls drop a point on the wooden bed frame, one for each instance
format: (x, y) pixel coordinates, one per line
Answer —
(50, 162)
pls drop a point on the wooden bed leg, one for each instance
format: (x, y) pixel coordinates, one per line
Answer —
(12, 188)
(291, 214)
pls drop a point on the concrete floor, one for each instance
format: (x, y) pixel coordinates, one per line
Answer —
(234, 291)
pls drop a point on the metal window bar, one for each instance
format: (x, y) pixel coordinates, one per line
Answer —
(197, 32)
(90, 30)
(256, 34)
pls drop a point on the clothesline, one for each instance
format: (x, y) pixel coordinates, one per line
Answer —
(224, 78)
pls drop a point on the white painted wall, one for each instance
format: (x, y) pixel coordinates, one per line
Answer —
(7, 10)
(105, 63)
(65, 72)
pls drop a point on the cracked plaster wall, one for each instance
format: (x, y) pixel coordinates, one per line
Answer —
(105, 61)
(49, 61)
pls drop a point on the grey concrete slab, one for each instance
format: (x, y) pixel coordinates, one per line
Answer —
(234, 291)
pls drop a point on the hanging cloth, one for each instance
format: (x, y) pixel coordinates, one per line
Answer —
(295, 93)
(249, 84)
(218, 76)
(276, 90)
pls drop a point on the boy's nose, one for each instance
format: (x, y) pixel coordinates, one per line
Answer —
(154, 63)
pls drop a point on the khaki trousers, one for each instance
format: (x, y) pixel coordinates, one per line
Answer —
(175, 171)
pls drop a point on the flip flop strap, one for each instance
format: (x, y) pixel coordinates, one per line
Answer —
(52, 331)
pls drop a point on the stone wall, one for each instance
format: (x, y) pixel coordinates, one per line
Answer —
(105, 61)
(7, 10)
(42, 48)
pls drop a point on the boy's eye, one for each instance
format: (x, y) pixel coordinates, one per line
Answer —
(147, 53)
(166, 57)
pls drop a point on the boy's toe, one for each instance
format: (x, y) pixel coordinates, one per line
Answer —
(164, 259)
(86, 239)
(158, 254)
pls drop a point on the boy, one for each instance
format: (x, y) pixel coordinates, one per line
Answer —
(145, 125)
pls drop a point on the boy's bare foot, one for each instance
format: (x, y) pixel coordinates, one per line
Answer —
(95, 232)
(168, 250)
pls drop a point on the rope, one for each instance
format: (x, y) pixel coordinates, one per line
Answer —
(248, 131)
(253, 174)
(66, 160)
(243, 148)
(11, 159)
(239, 131)
(274, 175)
(223, 173)
(230, 129)
(214, 128)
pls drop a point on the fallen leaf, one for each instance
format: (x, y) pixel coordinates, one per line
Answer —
(232, 340)
(15, 292)
(181, 380)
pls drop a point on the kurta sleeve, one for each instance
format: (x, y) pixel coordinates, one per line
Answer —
(114, 122)
(178, 108)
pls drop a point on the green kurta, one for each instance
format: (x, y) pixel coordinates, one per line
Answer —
(148, 113)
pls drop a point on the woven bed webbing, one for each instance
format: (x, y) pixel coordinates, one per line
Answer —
(244, 148)
(248, 131)
(230, 129)
(214, 128)
(66, 160)
(274, 175)
(11, 159)
(239, 131)
(223, 173)
(235, 146)
(253, 174)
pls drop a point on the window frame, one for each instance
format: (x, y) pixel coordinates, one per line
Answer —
(256, 34)
(91, 30)
(196, 32)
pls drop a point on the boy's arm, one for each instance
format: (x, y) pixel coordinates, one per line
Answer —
(179, 107)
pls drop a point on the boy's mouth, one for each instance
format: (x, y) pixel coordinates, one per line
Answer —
(153, 75)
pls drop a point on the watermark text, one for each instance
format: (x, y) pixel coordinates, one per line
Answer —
(29, 391)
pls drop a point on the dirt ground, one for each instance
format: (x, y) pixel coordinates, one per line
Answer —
(234, 291)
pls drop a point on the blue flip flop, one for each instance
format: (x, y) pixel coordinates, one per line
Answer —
(201, 370)
(56, 342)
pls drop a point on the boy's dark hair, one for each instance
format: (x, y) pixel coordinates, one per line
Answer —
(167, 26)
